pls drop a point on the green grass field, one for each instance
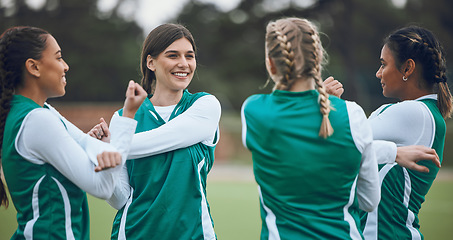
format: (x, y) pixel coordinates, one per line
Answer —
(235, 210)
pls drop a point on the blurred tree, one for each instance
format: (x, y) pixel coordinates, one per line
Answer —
(231, 44)
(102, 53)
(102, 48)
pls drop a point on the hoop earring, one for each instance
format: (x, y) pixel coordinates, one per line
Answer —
(404, 78)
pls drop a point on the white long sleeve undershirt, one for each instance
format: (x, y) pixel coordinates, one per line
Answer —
(402, 124)
(198, 124)
(368, 189)
(47, 137)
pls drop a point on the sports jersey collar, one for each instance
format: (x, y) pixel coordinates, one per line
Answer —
(149, 105)
(20, 98)
(429, 96)
(289, 93)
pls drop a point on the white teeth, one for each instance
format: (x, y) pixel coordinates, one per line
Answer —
(180, 74)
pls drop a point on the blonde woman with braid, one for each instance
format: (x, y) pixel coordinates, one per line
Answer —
(313, 157)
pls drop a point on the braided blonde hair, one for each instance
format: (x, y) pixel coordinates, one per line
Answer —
(295, 47)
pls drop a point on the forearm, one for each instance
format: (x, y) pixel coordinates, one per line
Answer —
(57, 148)
(197, 124)
(385, 151)
(122, 190)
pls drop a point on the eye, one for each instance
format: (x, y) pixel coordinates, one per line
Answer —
(190, 56)
(173, 55)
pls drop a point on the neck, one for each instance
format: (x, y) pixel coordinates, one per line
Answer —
(302, 84)
(416, 94)
(32, 94)
(413, 91)
(166, 98)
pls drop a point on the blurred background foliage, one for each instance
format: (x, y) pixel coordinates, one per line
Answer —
(103, 48)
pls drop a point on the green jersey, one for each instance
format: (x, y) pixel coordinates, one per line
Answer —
(48, 205)
(168, 196)
(309, 186)
(404, 190)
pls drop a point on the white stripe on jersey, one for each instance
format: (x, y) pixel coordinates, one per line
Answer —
(28, 231)
(353, 231)
(270, 220)
(122, 231)
(410, 215)
(67, 210)
(371, 227)
(208, 229)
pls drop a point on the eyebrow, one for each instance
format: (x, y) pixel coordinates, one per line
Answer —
(174, 51)
(59, 51)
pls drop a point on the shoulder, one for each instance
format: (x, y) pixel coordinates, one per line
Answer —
(43, 117)
(208, 100)
(405, 109)
(354, 107)
(255, 98)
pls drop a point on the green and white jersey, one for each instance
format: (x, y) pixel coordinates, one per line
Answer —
(168, 178)
(310, 187)
(415, 122)
(48, 165)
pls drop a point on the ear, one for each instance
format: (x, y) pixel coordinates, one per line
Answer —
(32, 67)
(150, 63)
(408, 67)
(270, 65)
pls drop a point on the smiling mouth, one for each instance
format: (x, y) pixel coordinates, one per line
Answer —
(179, 74)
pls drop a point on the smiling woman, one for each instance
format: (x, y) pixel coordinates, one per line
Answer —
(162, 194)
(48, 176)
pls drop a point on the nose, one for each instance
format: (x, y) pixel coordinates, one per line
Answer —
(66, 66)
(183, 62)
(379, 73)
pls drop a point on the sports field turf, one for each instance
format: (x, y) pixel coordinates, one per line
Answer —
(235, 210)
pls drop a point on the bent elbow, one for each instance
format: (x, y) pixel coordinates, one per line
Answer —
(369, 207)
(370, 204)
(103, 192)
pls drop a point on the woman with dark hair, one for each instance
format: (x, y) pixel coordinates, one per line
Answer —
(49, 163)
(162, 194)
(413, 70)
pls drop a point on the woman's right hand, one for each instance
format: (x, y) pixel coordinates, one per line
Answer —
(333, 87)
(107, 160)
(135, 95)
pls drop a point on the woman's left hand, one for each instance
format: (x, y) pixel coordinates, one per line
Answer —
(101, 131)
(408, 156)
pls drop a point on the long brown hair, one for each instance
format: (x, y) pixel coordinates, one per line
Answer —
(17, 44)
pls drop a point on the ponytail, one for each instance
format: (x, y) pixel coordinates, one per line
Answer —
(3, 198)
(17, 44)
(444, 100)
